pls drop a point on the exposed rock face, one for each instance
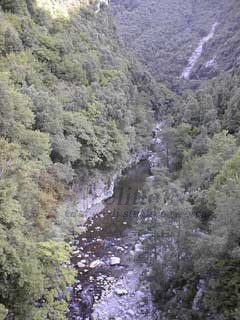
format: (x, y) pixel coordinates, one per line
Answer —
(93, 195)
(64, 8)
(90, 197)
(101, 2)
(197, 53)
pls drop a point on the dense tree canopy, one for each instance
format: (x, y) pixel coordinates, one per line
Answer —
(74, 105)
(71, 103)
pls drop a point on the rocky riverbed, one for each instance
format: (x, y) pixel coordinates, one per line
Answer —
(127, 298)
(108, 283)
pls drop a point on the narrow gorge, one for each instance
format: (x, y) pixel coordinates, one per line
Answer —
(119, 160)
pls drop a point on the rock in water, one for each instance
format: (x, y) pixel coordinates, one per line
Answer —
(138, 248)
(131, 313)
(121, 292)
(81, 265)
(115, 261)
(79, 287)
(95, 264)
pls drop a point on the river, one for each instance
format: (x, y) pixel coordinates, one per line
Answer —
(103, 253)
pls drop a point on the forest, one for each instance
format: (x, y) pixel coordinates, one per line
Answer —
(193, 200)
(79, 97)
(72, 105)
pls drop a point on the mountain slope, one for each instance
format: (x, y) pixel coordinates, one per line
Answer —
(190, 208)
(164, 34)
(73, 106)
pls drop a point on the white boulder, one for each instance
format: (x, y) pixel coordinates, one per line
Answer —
(121, 292)
(115, 261)
(95, 264)
(81, 265)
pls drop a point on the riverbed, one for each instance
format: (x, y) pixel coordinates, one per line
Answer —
(104, 253)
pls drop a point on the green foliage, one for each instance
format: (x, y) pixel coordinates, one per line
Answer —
(199, 191)
(15, 6)
(200, 111)
(230, 172)
(3, 312)
(177, 142)
(199, 171)
(24, 272)
(165, 45)
(168, 221)
(223, 294)
(209, 175)
(70, 102)
(191, 217)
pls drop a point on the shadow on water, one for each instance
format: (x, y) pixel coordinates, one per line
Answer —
(107, 236)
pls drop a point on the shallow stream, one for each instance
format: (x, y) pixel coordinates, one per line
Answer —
(103, 251)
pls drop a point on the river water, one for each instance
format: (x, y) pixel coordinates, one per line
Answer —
(107, 235)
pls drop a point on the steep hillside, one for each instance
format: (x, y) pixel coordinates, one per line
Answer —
(73, 106)
(190, 208)
(164, 35)
(223, 52)
(76, 108)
